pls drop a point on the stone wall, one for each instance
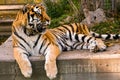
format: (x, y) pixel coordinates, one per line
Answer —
(8, 11)
(15, 1)
(72, 65)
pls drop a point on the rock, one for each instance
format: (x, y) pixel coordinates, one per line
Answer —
(93, 17)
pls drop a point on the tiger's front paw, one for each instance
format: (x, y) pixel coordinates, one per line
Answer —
(51, 71)
(26, 70)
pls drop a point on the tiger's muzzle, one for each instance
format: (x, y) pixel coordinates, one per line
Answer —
(41, 27)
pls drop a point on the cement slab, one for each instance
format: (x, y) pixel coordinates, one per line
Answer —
(6, 52)
(70, 64)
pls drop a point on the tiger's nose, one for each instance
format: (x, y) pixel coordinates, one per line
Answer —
(103, 48)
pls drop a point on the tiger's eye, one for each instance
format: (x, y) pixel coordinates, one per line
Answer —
(36, 6)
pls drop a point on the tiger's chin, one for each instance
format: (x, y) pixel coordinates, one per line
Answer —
(41, 30)
(97, 49)
(32, 32)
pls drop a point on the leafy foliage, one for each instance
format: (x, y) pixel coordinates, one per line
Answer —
(56, 10)
(108, 27)
(59, 10)
(2, 39)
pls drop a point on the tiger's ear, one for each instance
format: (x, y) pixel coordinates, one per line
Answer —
(42, 4)
(26, 8)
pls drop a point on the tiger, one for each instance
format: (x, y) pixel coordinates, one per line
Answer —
(31, 37)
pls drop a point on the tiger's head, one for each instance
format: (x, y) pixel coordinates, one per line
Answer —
(97, 45)
(33, 18)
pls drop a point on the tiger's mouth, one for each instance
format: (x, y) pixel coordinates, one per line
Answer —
(97, 49)
(34, 29)
(41, 28)
(38, 27)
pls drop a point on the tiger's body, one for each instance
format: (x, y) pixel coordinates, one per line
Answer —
(30, 37)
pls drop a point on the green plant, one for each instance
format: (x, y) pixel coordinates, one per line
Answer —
(56, 10)
(2, 39)
(56, 21)
(60, 10)
(107, 27)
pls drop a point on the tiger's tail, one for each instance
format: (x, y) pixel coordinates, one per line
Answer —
(106, 36)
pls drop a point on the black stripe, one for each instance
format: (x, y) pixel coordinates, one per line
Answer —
(32, 15)
(89, 39)
(58, 40)
(72, 27)
(46, 47)
(21, 38)
(82, 46)
(25, 31)
(93, 34)
(60, 29)
(60, 34)
(57, 37)
(78, 44)
(28, 15)
(108, 36)
(37, 41)
(61, 40)
(77, 27)
(70, 36)
(66, 44)
(28, 54)
(19, 47)
(64, 49)
(43, 43)
(83, 38)
(84, 27)
(32, 10)
(23, 46)
(100, 36)
(61, 45)
(116, 36)
(76, 37)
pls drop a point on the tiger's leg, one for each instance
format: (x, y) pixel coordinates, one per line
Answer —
(92, 41)
(23, 61)
(50, 61)
(85, 46)
(79, 45)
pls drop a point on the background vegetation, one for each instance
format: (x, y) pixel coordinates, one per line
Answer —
(69, 11)
(60, 10)
(112, 27)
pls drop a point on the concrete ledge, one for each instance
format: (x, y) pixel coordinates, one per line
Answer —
(71, 62)
(11, 7)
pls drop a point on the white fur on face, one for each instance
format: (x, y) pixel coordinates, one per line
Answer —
(37, 10)
(92, 45)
